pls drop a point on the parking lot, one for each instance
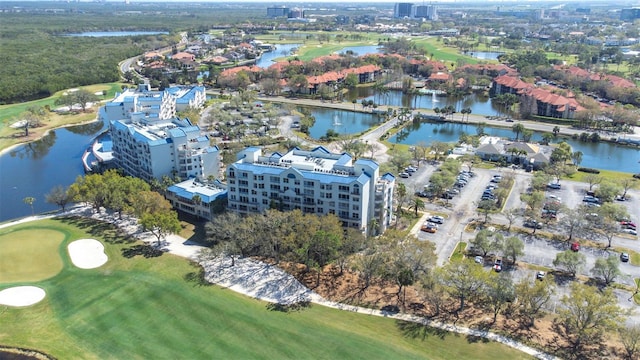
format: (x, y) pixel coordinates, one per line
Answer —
(461, 209)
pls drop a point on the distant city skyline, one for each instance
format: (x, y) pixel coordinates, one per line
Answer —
(276, 3)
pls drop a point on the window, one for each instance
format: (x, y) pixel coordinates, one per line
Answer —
(308, 184)
(343, 188)
(355, 207)
(275, 179)
(285, 180)
(355, 215)
(329, 187)
(328, 196)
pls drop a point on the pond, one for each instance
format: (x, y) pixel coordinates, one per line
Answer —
(361, 50)
(485, 55)
(601, 155)
(343, 122)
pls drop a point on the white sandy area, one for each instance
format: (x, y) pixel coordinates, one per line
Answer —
(21, 296)
(87, 253)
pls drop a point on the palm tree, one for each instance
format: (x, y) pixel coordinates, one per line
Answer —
(29, 201)
(417, 204)
(556, 131)
(517, 128)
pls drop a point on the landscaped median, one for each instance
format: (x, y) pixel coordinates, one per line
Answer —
(158, 308)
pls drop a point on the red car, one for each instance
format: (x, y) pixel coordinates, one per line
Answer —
(630, 224)
(575, 246)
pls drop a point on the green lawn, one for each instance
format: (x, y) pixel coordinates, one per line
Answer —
(604, 174)
(145, 309)
(29, 255)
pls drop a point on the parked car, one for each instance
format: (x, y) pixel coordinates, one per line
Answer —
(591, 199)
(554, 198)
(437, 219)
(628, 224)
(404, 175)
(532, 224)
(540, 275)
(624, 257)
(497, 265)
(575, 246)
(554, 186)
(630, 231)
(429, 227)
(479, 259)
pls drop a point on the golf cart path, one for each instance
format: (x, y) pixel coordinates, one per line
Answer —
(267, 282)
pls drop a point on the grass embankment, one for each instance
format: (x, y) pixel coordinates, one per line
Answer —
(142, 308)
(604, 174)
(12, 113)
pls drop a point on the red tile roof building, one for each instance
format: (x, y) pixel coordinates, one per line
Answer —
(546, 102)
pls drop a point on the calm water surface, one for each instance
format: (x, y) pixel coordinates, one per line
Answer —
(32, 170)
(115, 33)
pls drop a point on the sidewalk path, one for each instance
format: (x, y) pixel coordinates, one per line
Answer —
(267, 282)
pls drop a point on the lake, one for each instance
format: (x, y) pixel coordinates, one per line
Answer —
(477, 102)
(282, 50)
(116, 33)
(602, 155)
(32, 170)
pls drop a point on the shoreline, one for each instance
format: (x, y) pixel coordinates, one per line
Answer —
(11, 147)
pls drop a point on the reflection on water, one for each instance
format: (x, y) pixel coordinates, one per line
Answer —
(35, 149)
(343, 122)
(33, 169)
(602, 155)
(479, 103)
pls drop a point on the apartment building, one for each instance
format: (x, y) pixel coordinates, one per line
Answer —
(154, 105)
(150, 149)
(199, 198)
(315, 181)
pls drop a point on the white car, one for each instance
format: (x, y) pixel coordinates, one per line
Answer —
(554, 197)
(630, 231)
(436, 219)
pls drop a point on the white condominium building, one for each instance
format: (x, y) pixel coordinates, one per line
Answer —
(154, 105)
(316, 181)
(152, 149)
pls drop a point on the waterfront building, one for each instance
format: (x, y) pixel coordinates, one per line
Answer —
(153, 148)
(316, 182)
(150, 142)
(199, 198)
(154, 105)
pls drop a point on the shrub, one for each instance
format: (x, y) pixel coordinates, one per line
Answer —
(589, 170)
(637, 176)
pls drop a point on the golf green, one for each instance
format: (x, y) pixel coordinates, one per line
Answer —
(151, 308)
(29, 255)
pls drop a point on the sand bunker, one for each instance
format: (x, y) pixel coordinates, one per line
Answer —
(21, 296)
(87, 253)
